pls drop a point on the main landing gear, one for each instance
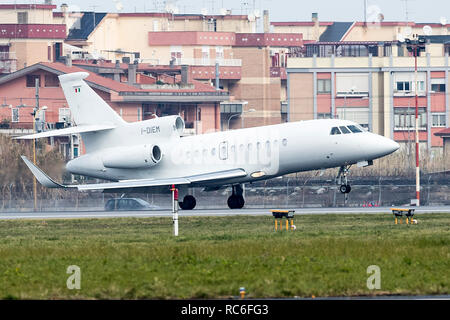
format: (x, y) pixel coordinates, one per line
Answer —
(342, 179)
(188, 203)
(236, 200)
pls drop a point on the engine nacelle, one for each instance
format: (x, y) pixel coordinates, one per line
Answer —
(165, 126)
(133, 157)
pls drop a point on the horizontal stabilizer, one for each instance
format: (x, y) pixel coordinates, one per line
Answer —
(70, 130)
(43, 179)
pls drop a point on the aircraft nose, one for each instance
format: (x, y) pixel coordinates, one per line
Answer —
(381, 146)
(392, 146)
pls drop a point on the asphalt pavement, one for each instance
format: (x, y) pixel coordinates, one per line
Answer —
(206, 212)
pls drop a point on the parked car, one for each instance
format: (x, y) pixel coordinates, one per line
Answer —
(129, 204)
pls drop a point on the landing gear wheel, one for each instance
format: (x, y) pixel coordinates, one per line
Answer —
(188, 203)
(345, 188)
(236, 202)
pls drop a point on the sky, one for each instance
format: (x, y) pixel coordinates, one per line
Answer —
(281, 10)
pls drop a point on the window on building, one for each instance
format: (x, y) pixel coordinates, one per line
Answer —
(176, 53)
(31, 80)
(403, 86)
(438, 120)
(219, 53)
(373, 50)
(438, 85)
(22, 17)
(15, 115)
(387, 50)
(58, 51)
(155, 25)
(205, 54)
(324, 86)
(326, 115)
(404, 83)
(359, 115)
(352, 84)
(421, 85)
(404, 118)
(51, 80)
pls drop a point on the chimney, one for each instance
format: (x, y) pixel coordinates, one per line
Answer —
(117, 75)
(316, 28)
(68, 60)
(266, 21)
(132, 74)
(184, 75)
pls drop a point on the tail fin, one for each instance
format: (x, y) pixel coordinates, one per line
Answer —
(86, 106)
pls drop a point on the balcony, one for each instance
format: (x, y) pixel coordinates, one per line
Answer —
(278, 72)
(8, 62)
(33, 31)
(209, 62)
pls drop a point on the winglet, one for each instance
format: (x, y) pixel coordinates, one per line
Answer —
(43, 179)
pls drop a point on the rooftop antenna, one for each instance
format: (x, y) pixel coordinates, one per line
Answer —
(406, 10)
(365, 13)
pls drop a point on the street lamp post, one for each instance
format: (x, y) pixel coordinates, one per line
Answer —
(415, 46)
(34, 114)
(239, 114)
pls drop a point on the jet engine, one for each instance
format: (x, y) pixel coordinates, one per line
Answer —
(164, 126)
(133, 157)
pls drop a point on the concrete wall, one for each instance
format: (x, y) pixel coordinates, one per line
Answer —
(301, 104)
(34, 16)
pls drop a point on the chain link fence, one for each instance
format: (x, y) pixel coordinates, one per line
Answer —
(285, 192)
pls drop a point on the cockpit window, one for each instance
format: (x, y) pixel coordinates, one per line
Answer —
(344, 130)
(335, 130)
(354, 129)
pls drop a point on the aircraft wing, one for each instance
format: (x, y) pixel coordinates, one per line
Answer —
(70, 130)
(46, 181)
(140, 183)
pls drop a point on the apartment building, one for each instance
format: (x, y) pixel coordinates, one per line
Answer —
(198, 103)
(29, 34)
(373, 83)
(374, 30)
(250, 66)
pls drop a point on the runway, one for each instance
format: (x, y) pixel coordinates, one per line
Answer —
(204, 212)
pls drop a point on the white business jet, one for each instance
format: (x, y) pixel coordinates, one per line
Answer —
(150, 155)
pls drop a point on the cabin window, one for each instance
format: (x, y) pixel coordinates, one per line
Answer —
(284, 142)
(268, 148)
(354, 129)
(344, 130)
(335, 130)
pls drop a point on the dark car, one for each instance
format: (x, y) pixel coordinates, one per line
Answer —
(129, 204)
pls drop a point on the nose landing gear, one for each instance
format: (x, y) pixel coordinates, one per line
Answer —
(342, 179)
(236, 200)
